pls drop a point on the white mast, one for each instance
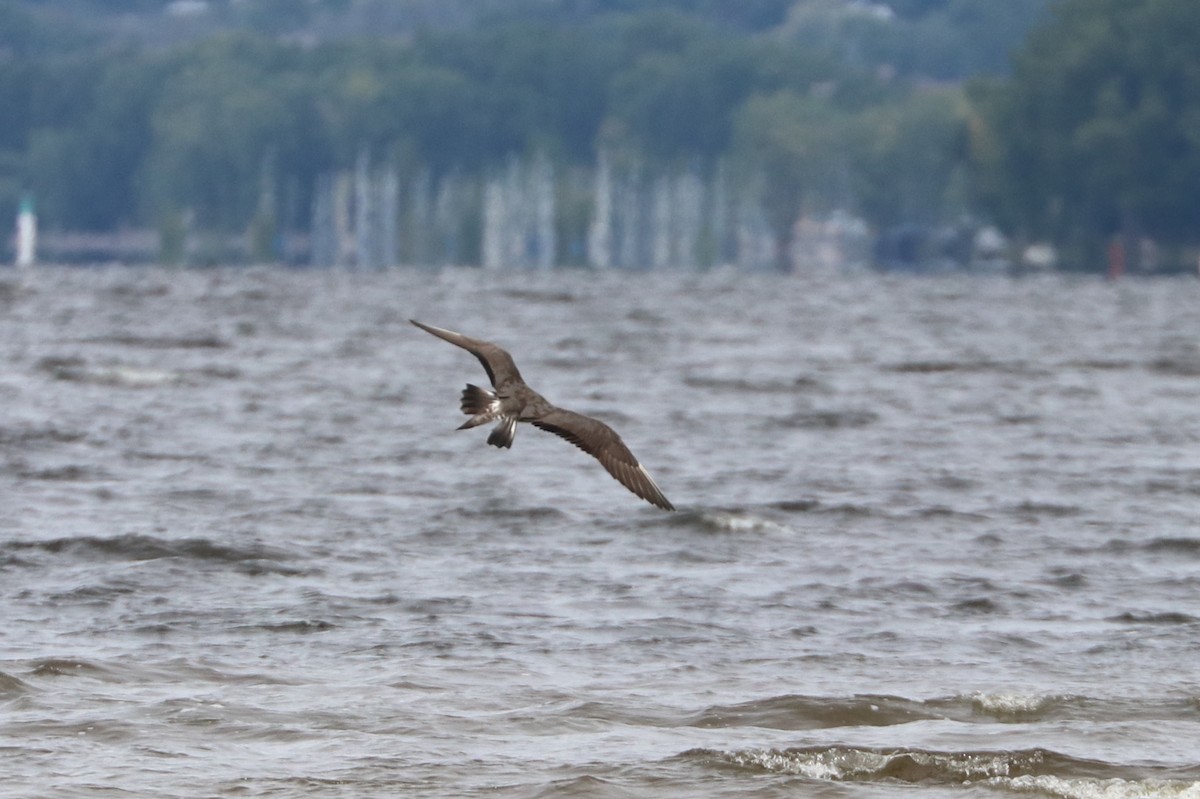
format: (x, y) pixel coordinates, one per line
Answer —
(26, 234)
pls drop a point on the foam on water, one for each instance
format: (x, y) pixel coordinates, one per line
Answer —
(1047, 785)
(1013, 705)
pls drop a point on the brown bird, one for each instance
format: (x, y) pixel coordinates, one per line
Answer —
(513, 401)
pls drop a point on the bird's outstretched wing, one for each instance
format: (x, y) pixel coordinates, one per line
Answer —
(602, 442)
(496, 361)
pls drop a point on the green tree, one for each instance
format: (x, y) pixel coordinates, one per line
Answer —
(83, 129)
(910, 158)
(681, 105)
(22, 32)
(796, 149)
(233, 105)
(1097, 129)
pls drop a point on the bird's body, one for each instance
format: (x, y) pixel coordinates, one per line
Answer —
(512, 401)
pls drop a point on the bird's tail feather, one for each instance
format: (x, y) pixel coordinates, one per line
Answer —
(504, 433)
(483, 407)
(480, 404)
(476, 400)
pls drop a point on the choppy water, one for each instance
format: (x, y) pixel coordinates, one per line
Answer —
(936, 536)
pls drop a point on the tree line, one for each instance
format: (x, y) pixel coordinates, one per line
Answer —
(1088, 135)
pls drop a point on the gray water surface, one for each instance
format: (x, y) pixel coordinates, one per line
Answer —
(934, 535)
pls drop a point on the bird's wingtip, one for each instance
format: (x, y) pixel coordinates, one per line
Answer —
(434, 329)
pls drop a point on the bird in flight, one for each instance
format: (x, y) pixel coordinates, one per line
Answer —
(512, 401)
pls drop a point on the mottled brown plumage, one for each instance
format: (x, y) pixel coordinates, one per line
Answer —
(512, 401)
